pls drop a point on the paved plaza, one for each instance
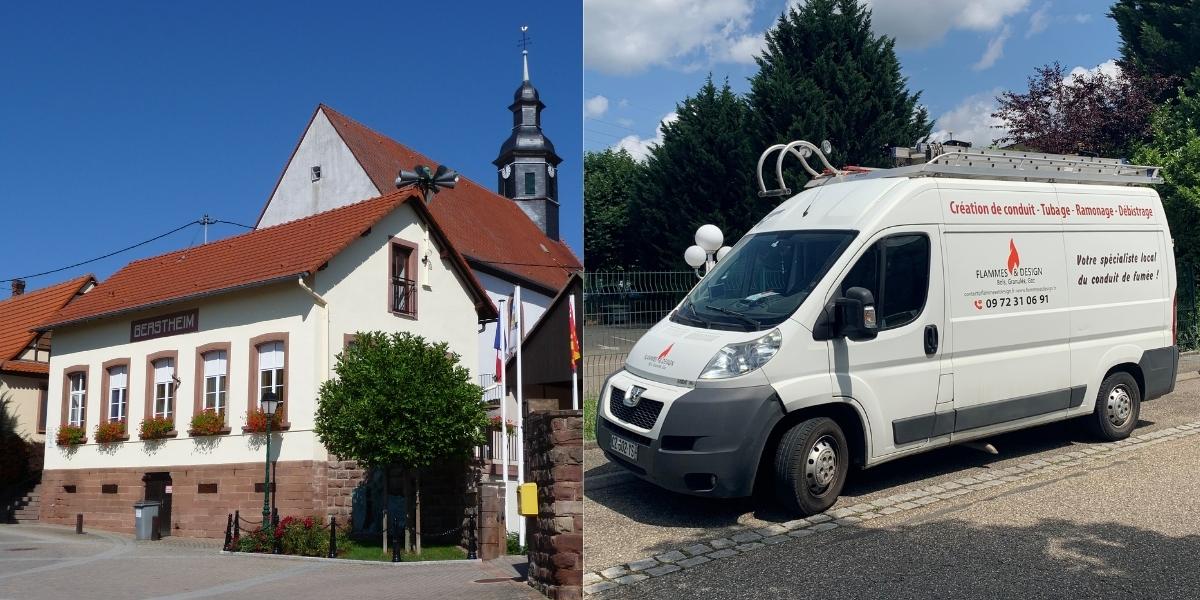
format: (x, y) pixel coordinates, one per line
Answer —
(48, 562)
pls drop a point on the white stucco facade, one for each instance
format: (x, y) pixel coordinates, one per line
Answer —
(343, 181)
(355, 285)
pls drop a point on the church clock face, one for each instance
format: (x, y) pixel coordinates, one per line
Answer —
(550, 170)
(506, 171)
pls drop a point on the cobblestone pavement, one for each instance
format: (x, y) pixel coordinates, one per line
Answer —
(49, 562)
(657, 533)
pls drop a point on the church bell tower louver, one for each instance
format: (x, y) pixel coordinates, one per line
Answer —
(527, 162)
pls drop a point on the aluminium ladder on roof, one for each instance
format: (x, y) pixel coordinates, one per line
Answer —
(960, 162)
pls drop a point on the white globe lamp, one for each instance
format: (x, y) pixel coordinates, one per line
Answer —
(709, 238)
(722, 252)
(695, 256)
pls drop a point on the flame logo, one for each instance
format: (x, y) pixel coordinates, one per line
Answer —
(666, 352)
(1014, 259)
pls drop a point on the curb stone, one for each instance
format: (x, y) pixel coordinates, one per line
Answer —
(696, 554)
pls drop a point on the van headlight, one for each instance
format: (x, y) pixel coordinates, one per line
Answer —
(739, 359)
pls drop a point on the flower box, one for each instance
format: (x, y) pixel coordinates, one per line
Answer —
(157, 428)
(208, 422)
(111, 432)
(71, 435)
(256, 421)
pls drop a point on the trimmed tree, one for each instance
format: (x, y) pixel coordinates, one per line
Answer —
(702, 172)
(825, 76)
(1158, 40)
(400, 400)
(609, 178)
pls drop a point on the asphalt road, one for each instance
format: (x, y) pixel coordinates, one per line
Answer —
(1125, 528)
(628, 519)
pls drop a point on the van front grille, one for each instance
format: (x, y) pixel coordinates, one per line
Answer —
(644, 415)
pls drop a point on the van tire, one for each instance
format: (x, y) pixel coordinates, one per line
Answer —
(811, 463)
(1118, 405)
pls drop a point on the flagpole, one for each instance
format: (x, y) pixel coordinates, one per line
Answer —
(520, 316)
(574, 367)
(503, 406)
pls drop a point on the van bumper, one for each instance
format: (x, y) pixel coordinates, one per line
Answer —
(709, 442)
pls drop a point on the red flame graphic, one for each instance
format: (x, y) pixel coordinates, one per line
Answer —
(1014, 259)
(666, 352)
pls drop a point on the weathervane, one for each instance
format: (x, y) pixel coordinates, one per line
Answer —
(524, 43)
(525, 40)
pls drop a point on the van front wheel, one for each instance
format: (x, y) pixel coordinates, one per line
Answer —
(810, 466)
(1117, 407)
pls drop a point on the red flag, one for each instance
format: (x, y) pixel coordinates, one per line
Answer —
(574, 339)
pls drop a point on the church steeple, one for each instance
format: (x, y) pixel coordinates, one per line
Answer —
(527, 162)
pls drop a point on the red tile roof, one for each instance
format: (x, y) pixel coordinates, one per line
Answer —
(26, 367)
(259, 257)
(20, 314)
(490, 230)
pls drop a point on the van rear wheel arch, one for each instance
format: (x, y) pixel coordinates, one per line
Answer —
(1134, 370)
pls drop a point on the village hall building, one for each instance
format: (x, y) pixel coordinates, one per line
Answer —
(214, 327)
(509, 237)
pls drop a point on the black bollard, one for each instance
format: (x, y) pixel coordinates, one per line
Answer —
(472, 550)
(332, 537)
(395, 539)
(228, 532)
(79, 523)
(237, 526)
(278, 547)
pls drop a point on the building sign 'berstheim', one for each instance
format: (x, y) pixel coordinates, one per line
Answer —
(162, 326)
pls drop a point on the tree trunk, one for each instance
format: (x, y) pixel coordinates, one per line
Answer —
(418, 505)
(408, 511)
(386, 513)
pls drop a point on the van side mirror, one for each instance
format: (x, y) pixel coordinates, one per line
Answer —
(855, 317)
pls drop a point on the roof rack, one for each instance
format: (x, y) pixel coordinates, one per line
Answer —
(944, 160)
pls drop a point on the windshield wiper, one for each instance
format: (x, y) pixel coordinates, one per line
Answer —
(734, 313)
(696, 316)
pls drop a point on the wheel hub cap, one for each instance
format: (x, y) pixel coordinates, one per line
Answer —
(1120, 406)
(821, 465)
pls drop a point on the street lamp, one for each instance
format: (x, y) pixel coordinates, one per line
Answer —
(427, 180)
(708, 249)
(270, 403)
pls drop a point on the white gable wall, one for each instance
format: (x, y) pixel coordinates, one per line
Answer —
(343, 181)
(357, 283)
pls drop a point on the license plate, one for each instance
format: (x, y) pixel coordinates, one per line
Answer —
(623, 447)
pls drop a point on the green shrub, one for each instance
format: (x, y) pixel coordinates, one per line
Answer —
(514, 544)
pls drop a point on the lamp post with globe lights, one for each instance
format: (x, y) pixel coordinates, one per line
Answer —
(270, 403)
(707, 251)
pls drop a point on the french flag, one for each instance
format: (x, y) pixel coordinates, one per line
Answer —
(499, 346)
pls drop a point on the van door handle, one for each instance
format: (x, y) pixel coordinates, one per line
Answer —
(931, 340)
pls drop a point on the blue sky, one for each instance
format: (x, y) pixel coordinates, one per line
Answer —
(642, 57)
(123, 120)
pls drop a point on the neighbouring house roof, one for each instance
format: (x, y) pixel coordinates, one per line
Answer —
(491, 231)
(260, 257)
(19, 316)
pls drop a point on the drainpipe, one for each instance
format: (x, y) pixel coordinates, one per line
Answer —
(323, 343)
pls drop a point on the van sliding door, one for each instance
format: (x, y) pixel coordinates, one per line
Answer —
(1009, 315)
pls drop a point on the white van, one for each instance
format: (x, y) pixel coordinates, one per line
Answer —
(883, 313)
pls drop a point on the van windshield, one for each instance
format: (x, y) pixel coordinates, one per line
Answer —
(763, 280)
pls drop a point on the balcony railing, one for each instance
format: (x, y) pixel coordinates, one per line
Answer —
(404, 296)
